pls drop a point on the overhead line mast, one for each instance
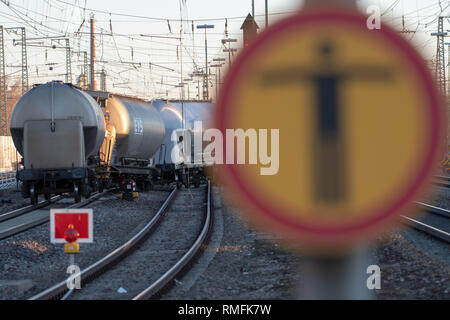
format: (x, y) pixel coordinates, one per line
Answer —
(3, 107)
(92, 80)
(440, 56)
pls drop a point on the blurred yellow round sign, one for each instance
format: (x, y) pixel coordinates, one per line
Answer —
(358, 119)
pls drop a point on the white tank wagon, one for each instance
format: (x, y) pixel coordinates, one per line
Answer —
(80, 141)
(190, 165)
(56, 128)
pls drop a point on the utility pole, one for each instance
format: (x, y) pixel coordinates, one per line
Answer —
(217, 74)
(205, 83)
(3, 107)
(85, 69)
(68, 63)
(24, 58)
(181, 69)
(267, 15)
(221, 63)
(24, 62)
(448, 68)
(229, 49)
(92, 80)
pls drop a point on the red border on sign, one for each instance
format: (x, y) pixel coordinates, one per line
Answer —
(378, 216)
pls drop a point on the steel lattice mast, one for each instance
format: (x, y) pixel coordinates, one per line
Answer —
(68, 63)
(24, 62)
(440, 56)
(3, 107)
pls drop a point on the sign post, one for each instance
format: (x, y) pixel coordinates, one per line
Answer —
(71, 226)
(355, 123)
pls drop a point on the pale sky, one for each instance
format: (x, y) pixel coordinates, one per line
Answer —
(132, 18)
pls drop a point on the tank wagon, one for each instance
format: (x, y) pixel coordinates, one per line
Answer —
(189, 167)
(81, 141)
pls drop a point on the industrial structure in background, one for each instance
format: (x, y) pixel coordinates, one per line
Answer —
(440, 56)
(442, 81)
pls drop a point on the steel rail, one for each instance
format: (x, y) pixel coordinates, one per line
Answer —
(99, 267)
(26, 209)
(435, 232)
(431, 230)
(434, 210)
(167, 277)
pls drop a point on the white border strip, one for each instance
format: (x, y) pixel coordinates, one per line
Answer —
(90, 213)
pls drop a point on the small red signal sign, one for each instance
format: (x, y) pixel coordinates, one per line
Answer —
(80, 219)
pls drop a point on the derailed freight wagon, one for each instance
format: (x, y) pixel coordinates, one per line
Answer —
(178, 158)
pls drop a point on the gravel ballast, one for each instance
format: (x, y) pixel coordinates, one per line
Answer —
(30, 256)
(11, 199)
(173, 237)
(252, 265)
(238, 263)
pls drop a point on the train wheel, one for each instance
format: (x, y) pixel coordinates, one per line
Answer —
(76, 192)
(33, 195)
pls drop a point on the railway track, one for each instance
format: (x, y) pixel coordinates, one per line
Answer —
(441, 181)
(435, 223)
(155, 288)
(20, 220)
(104, 265)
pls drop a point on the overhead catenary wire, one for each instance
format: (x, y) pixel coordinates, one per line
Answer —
(157, 47)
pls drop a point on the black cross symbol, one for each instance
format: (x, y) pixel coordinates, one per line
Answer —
(329, 154)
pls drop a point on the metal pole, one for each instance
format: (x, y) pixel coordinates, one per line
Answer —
(338, 276)
(24, 62)
(267, 15)
(68, 63)
(92, 84)
(71, 263)
(85, 69)
(24, 58)
(206, 66)
(253, 8)
(3, 106)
